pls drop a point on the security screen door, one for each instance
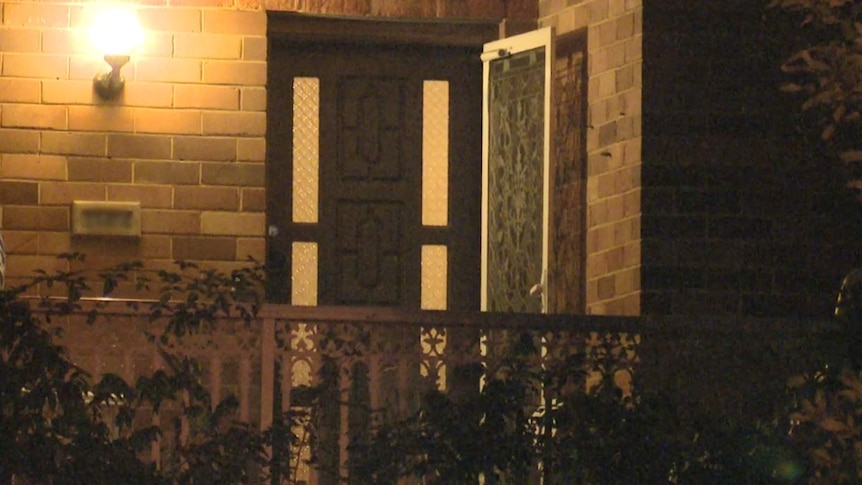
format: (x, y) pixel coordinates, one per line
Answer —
(374, 156)
(516, 188)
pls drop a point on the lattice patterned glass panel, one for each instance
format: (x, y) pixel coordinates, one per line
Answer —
(306, 148)
(435, 153)
(515, 181)
(434, 277)
(304, 274)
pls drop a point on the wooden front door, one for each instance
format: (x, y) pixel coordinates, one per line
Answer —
(374, 175)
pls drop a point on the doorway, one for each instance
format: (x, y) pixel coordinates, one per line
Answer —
(374, 170)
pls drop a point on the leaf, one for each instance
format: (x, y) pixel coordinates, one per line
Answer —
(227, 407)
(821, 98)
(796, 381)
(803, 61)
(822, 455)
(839, 113)
(851, 156)
(833, 425)
(109, 285)
(808, 408)
(791, 88)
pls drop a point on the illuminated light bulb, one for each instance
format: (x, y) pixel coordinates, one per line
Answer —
(116, 32)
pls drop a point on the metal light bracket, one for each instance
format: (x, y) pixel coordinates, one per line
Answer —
(109, 84)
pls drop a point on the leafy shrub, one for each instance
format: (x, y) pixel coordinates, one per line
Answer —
(826, 423)
(573, 421)
(58, 425)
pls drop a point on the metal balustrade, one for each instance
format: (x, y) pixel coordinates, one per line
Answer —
(358, 367)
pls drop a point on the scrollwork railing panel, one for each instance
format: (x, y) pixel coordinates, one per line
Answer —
(348, 371)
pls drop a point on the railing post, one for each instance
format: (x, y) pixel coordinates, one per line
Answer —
(267, 377)
(156, 445)
(267, 372)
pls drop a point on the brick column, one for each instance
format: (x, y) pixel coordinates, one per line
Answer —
(613, 147)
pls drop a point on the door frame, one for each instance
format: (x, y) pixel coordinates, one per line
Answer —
(294, 29)
(294, 26)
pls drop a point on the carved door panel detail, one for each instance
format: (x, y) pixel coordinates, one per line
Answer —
(370, 129)
(374, 182)
(370, 259)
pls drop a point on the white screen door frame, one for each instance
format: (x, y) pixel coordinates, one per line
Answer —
(539, 42)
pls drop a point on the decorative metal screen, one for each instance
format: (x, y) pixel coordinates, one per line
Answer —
(515, 181)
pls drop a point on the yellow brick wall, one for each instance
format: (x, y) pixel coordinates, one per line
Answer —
(613, 188)
(186, 138)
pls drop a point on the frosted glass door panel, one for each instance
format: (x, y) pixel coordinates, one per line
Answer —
(435, 153)
(434, 277)
(306, 149)
(304, 274)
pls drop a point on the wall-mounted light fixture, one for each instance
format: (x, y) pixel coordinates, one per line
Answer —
(115, 33)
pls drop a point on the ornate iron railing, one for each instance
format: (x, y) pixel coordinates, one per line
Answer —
(358, 367)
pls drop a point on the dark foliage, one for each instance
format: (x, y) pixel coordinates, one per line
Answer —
(827, 74)
(576, 423)
(58, 425)
(580, 420)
